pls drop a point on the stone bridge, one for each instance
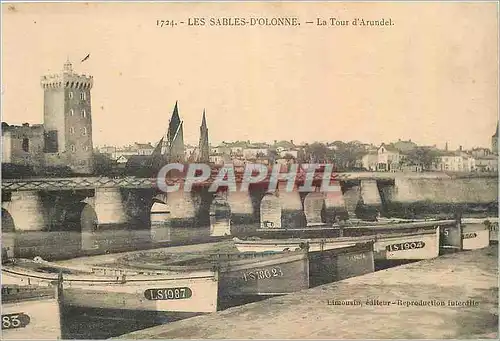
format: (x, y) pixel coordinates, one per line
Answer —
(87, 203)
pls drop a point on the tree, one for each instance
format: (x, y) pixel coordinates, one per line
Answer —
(422, 156)
(103, 164)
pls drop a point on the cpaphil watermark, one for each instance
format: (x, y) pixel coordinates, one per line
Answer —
(302, 178)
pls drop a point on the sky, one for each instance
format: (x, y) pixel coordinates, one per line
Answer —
(432, 77)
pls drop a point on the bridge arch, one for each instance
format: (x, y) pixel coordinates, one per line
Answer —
(8, 224)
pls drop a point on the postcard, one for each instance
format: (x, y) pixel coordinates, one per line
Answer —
(250, 170)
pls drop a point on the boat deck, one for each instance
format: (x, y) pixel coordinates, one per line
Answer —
(460, 291)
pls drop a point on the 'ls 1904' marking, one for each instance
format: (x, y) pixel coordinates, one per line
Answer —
(405, 246)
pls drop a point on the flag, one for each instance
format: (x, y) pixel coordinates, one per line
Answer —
(86, 57)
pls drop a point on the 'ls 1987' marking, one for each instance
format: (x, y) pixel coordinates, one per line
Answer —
(262, 274)
(17, 320)
(162, 294)
(405, 246)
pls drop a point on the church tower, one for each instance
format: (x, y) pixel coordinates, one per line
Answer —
(203, 144)
(494, 142)
(68, 120)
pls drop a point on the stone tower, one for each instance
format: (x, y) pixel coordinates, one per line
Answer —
(203, 144)
(494, 142)
(68, 120)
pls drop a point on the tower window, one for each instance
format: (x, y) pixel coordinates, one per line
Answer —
(71, 112)
(26, 144)
(84, 113)
(73, 148)
(86, 148)
(70, 94)
(82, 96)
(84, 131)
(71, 130)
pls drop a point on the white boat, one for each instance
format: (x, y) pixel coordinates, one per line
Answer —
(389, 246)
(159, 291)
(30, 312)
(476, 234)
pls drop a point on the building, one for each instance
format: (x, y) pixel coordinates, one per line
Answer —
(388, 158)
(68, 120)
(487, 163)
(65, 138)
(143, 148)
(23, 145)
(456, 162)
(404, 146)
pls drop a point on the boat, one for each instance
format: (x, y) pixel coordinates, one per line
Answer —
(355, 228)
(242, 276)
(194, 292)
(413, 245)
(474, 233)
(30, 312)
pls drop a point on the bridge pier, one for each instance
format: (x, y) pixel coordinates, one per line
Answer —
(241, 207)
(352, 197)
(371, 201)
(220, 215)
(109, 206)
(314, 204)
(183, 208)
(27, 211)
(335, 207)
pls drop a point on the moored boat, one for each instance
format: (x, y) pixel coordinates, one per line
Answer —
(195, 291)
(491, 224)
(242, 276)
(30, 312)
(473, 234)
(389, 246)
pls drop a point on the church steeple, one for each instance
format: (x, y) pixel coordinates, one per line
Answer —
(494, 141)
(203, 147)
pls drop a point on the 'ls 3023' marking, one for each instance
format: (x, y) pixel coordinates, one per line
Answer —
(262, 274)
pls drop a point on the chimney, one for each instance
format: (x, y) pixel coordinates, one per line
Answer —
(460, 148)
(291, 141)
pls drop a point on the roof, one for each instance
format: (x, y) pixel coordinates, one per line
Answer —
(389, 148)
(144, 145)
(135, 161)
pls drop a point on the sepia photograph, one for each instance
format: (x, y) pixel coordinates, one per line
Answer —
(249, 170)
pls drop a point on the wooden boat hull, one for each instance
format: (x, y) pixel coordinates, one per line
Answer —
(195, 292)
(240, 274)
(400, 246)
(30, 313)
(408, 246)
(340, 263)
(270, 275)
(491, 224)
(475, 235)
(358, 230)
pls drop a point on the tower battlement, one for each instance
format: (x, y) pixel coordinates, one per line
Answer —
(67, 79)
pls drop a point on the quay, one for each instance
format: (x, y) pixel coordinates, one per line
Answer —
(454, 296)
